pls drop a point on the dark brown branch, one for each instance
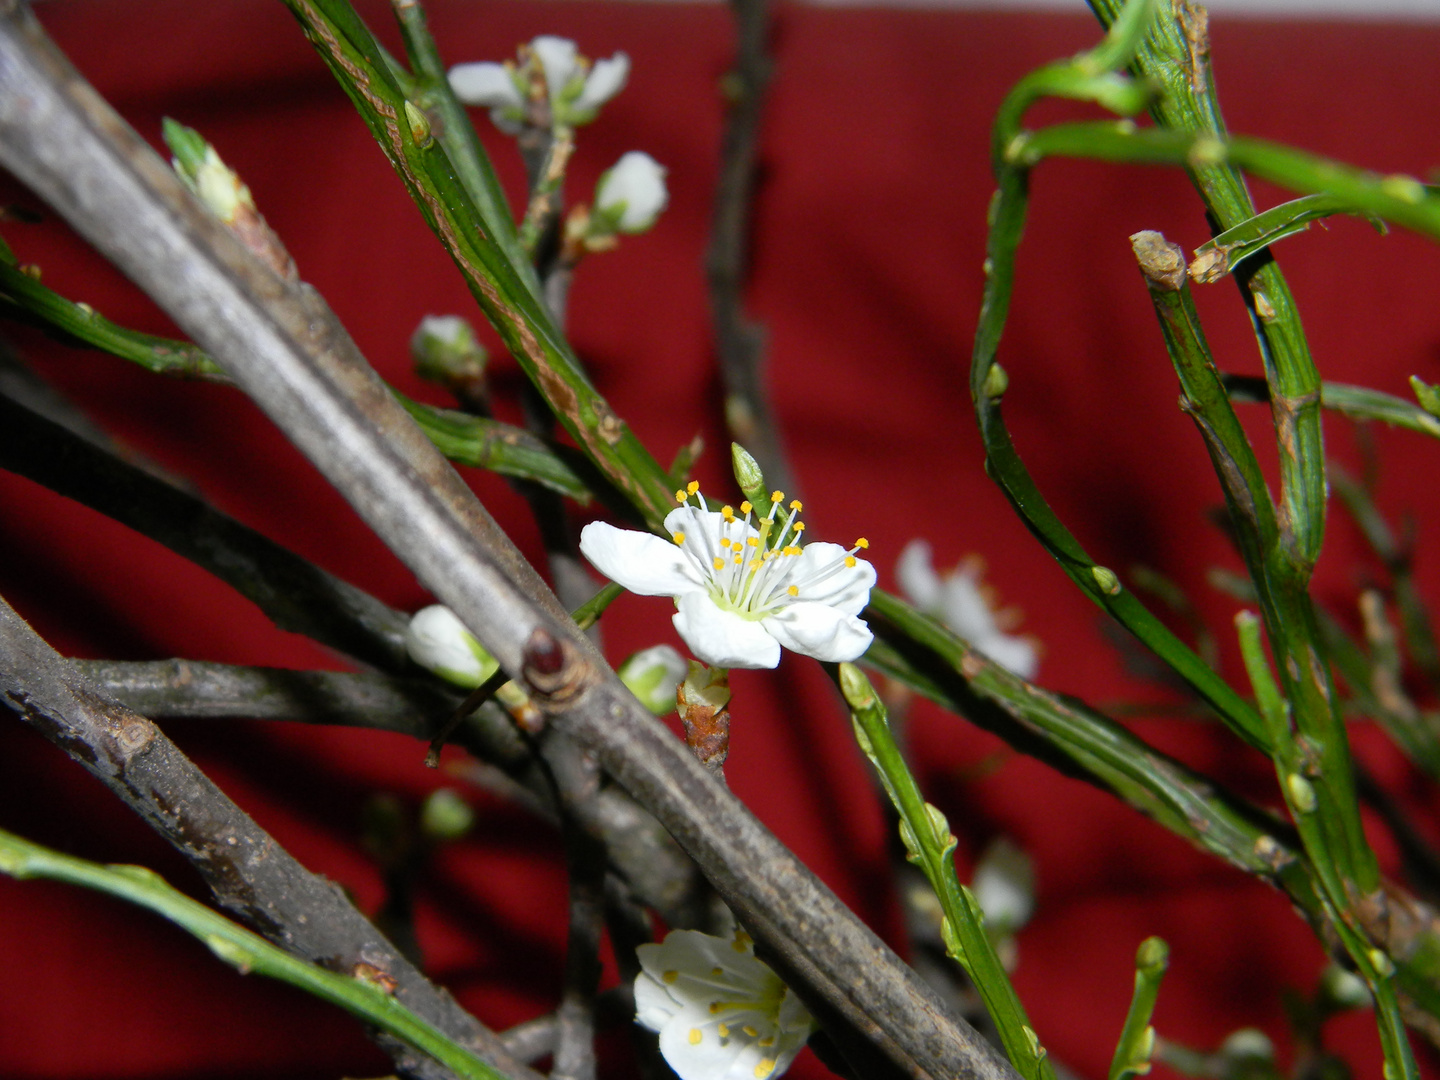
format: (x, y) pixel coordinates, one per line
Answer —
(249, 873)
(533, 1039)
(295, 593)
(287, 351)
(740, 342)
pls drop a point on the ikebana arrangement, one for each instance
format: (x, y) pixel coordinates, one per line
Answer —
(689, 921)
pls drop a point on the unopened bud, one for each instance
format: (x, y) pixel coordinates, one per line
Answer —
(1004, 886)
(439, 642)
(444, 349)
(653, 675)
(630, 195)
(445, 815)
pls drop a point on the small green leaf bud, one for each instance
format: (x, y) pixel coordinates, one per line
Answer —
(1381, 962)
(1153, 956)
(908, 838)
(419, 125)
(951, 939)
(996, 381)
(200, 167)
(1036, 1050)
(1302, 793)
(1427, 396)
(1405, 188)
(859, 694)
(939, 826)
(748, 474)
(445, 815)
(1107, 580)
(653, 675)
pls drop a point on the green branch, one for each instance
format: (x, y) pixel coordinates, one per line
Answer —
(364, 994)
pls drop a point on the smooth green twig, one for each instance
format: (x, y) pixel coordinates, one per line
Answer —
(365, 994)
(1137, 1038)
(1222, 254)
(931, 846)
(1356, 402)
(23, 297)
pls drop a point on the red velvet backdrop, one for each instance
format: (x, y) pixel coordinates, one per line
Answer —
(867, 273)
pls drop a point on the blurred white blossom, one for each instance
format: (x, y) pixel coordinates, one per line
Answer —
(574, 88)
(721, 1013)
(631, 194)
(962, 602)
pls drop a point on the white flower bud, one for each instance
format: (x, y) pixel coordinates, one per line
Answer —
(1004, 886)
(439, 642)
(631, 195)
(444, 346)
(652, 675)
(1250, 1044)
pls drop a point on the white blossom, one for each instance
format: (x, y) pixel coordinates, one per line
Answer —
(721, 1013)
(743, 587)
(559, 61)
(631, 194)
(438, 641)
(492, 86)
(959, 601)
(606, 79)
(574, 88)
(1004, 886)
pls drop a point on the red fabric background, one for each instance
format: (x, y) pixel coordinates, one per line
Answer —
(867, 273)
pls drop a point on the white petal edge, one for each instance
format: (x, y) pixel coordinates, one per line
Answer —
(820, 631)
(642, 563)
(557, 57)
(1014, 653)
(486, 84)
(711, 1057)
(721, 638)
(916, 575)
(606, 79)
(654, 1006)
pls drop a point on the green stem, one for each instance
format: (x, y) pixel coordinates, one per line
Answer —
(931, 846)
(1137, 1038)
(366, 998)
(1356, 402)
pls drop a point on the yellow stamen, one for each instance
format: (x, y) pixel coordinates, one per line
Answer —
(764, 1068)
(670, 976)
(862, 543)
(680, 497)
(777, 496)
(715, 1007)
(793, 590)
(679, 538)
(716, 972)
(799, 526)
(795, 505)
(719, 563)
(724, 542)
(724, 1030)
(849, 560)
(742, 941)
(695, 1036)
(693, 486)
(745, 507)
(752, 541)
(769, 1040)
(750, 1031)
(728, 513)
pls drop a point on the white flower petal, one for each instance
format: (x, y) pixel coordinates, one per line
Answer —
(917, 577)
(606, 79)
(1014, 653)
(964, 610)
(722, 638)
(557, 58)
(485, 84)
(820, 631)
(692, 1044)
(642, 563)
(823, 578)
(438, 641)
(654, 1005)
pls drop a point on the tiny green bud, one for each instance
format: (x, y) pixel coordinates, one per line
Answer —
(1036, 1050)
(939, 826)
(653, 675)
(445, 815)
(1381, 962)
(188, 146)
(1144, 1049)
(951, 939)
(996, 381)
(859, 694)
(1428, 396)
(908, 838)
(1153, 956)
(1405, 188)
(748, 474)
(1107, 580)
(1302, 793)
(419, 125)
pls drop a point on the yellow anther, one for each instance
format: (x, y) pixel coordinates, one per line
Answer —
(680, 497)
(849, 560)
(750, 1030)
(752, 541)
(742, 941)
(693, 486)
(724, 542)
(795, 505)
(724, 1030)
(716, 972)
(670, 976)
(728, 512)
(739, 559)
(777, 496)
(695, 1036)
(799, 526)
(679, 538)
(715, 1007)
(862, 543)
(719, 563)
(765, 1067)
(745, 507)
(793, 590)
(769, 1040)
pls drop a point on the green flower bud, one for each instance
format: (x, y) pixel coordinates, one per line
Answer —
(653, 675)
(444, 349)
(445, 815)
